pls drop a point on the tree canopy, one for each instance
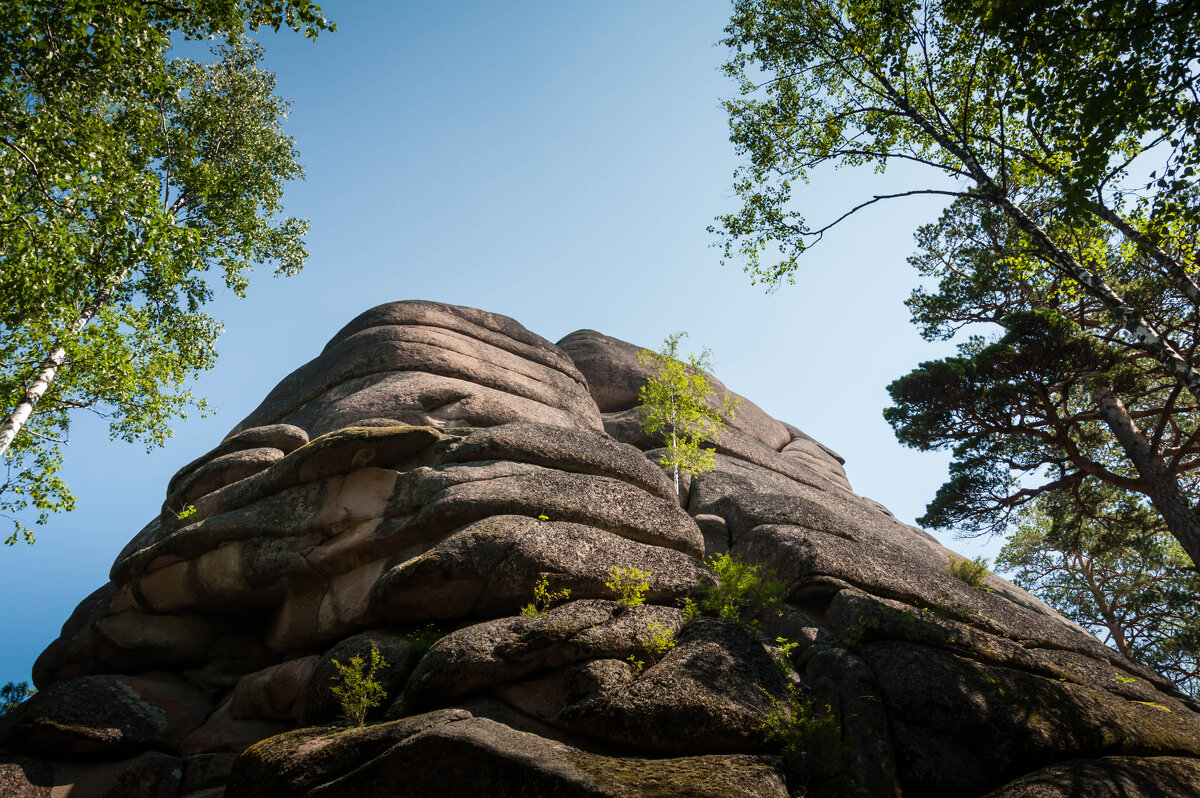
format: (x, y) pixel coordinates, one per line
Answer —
(128, 179)
(1105, 562)
(1061, 396)
(1078, 212)
(854, 83)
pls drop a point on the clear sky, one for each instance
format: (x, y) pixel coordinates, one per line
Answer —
(554, 162)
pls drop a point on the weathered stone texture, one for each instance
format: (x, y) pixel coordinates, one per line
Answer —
(407, 489)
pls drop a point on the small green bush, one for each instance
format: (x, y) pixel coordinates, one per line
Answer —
(629, 584)
(742, 592)
(659, 640)
(973, 572)
(783, 654)
(543, 599)
(356, 687)
(810, 740)
(425, 637)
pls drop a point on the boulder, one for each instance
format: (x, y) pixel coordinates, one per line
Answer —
(105, 716)
(224, 734)
(274, 693)
(480, 657)
(424, 486)
(708, 693)
(1108, 777)
(148, 775)
(626, 426)
(566, 450)
(441, 341)
(490, 567)
(456, 752)
(994, 723)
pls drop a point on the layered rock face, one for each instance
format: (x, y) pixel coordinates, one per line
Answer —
(408, 489)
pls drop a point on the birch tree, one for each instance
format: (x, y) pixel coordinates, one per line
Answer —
(129, 180)
(679, 402)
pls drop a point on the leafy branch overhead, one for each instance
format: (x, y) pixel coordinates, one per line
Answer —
(130, 180)
(678, 401)
(1063, 138)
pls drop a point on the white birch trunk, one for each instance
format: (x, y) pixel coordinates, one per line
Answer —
(675, 454)
(44, 378)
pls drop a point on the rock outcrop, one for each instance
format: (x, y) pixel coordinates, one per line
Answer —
(406, 491)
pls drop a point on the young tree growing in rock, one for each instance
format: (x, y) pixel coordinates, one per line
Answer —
(127, 178)
(677, 401)
(356, 688)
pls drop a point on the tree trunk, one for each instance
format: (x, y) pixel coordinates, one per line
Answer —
(1158, 481)
(48, 370)
(675, 454)
(1116, 630)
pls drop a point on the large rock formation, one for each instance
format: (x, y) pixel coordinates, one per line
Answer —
(408, 488)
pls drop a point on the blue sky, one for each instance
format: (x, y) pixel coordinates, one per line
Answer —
(554, 162)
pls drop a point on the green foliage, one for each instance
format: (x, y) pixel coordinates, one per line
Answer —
(425, 637)
(629, 585)
(742, 592)
(1100, 75)
(1020, 412)
(809, 739)
(1106, 563)
(989, 97)
(13, 695)
(186, 512)
(356, 688)
(678, 400)
(783, 654)
(1041, 123)
(129, 181)
(543, 599)
(659, 639)
(973, 572)
(658, 642)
